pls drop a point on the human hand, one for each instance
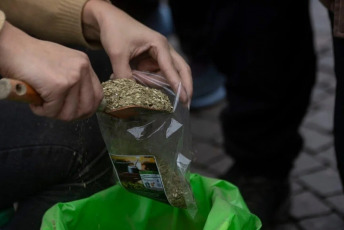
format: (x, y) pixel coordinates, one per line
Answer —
(130, 43)
(63, 77)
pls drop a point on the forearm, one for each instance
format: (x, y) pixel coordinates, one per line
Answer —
(10, 37)
(63, 77)
(96, 15)
(58, 21)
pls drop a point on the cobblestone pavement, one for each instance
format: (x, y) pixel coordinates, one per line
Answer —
(317, 200)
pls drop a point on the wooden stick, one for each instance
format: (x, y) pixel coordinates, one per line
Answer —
(16, 90)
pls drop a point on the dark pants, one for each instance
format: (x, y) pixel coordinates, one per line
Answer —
(267, 54)
(265, 48)
(45, 161)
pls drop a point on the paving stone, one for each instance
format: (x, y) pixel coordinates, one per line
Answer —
(318, 94)
(210, 160)
(204, 129)
(210, 113)
(322, 120)
(328, 222)
(305, 163)
(221, 166)
(326, 62)
(306, 205)
(322, 43)
(217, 140)
(325, 77)
(204, 152)
(296, 188)
(202, 171)
(337, 202)
(321, 25)
(316, 106)
(214, 170)
(319, 15)
(327, 103)
(315, 141)
(288, 226)
(328, 157)
(324, 183)
(326, 81)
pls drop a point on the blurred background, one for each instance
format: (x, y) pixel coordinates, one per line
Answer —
(317, 200)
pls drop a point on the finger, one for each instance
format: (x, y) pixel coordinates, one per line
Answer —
(38, 110)
(98, 90)
(70, 107)
(120, 66)
(90, 94)
(147, 64)
(50, 108)
(184, 72)
(150, 79)
(167, 67)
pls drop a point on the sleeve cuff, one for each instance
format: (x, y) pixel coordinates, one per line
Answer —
(69, 23)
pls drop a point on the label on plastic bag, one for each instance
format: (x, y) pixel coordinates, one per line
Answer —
(140, 175)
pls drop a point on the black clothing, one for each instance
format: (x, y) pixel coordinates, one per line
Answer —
(44, 161)
(265, 49)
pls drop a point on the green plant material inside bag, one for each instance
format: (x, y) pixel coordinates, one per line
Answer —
(220, 207)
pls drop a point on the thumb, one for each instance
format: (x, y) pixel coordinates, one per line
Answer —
(121, 68)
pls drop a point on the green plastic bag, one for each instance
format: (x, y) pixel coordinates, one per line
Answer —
(5, 216)
(220, 207)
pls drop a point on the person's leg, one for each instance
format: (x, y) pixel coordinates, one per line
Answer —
(44, 161)
(192, 26)
(266, 50)
(38, 177)
(192, 23)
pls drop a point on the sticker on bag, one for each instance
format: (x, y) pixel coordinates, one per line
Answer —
(140, 175)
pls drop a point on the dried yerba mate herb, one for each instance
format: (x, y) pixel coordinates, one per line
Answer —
(175, 187)
(121, 93)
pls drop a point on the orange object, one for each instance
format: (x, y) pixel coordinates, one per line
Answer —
(17, 90)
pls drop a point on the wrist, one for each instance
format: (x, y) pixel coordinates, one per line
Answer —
(14, 47)
(91, 19)
(7, 36)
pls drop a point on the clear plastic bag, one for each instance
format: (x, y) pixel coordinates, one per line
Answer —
(151, 152)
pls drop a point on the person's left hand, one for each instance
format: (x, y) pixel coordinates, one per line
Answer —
(128, 42)
(63, 77)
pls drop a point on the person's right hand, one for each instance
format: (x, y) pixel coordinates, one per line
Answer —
(127, 42)
(63, 77)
